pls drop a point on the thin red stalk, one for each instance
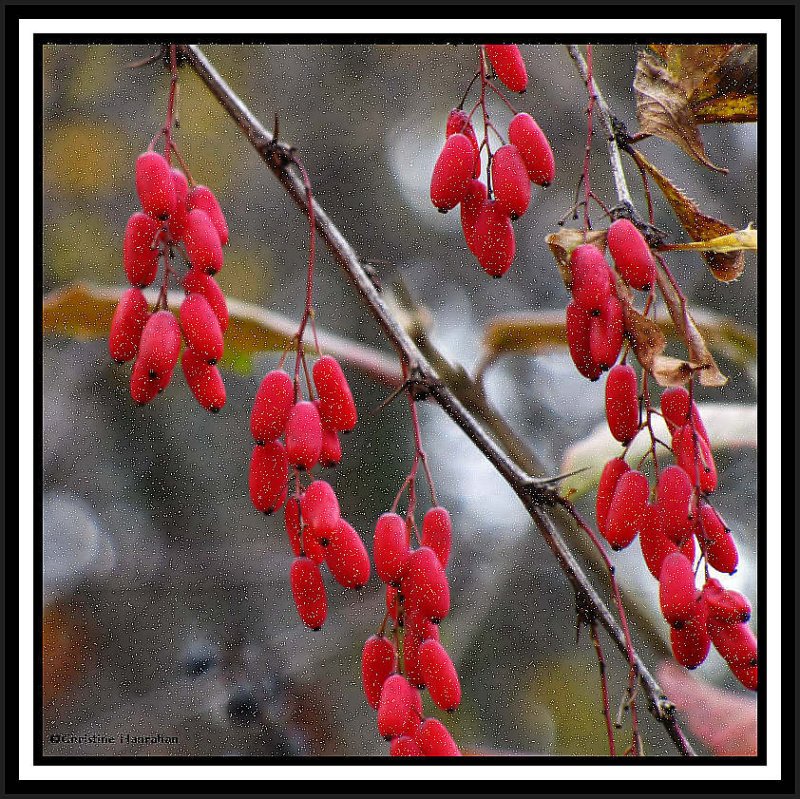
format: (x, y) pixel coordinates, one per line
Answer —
(587, 189)
(601, 662)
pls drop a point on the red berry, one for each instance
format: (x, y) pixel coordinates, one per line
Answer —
(458, 122)
(140, 251)
(735, 642)
(425, 586)
(435, 741)
(437, 533)
(390, 548)
(609, 478)
(676, 590)
(747, 676)
(527, 137)
(202, 243)
(203, 198)
(417, 630)
(154, 185)
(336, 407)
(308, 591)
(378, 663)
(204, 380)
(605, 333)
(693, 454)
(272, 405)
(631, 254)
(320, 508)
(440, 675)
(508, 65)
(331, 452)
(291, 518)
(130, 317)
(622, 403)
(395, 706)
(591, 278)
(628, 509)
(177, 220)
(404, 746)
(674, 498)
(160, 344)
(512, 187)
(494, 239)
(716, 541)
(656, 546)
(269, 476)
(347, 557)
(452, 172)
(471, 207)
(690, 642)
(725, 606)
(304, 436)
(145, 385)
(205, 285)
(201, 328)
(578, 341)
(676, 407)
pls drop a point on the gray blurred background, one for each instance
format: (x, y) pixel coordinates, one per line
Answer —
(167, 604)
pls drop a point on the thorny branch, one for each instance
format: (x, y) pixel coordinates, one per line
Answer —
(536, 496)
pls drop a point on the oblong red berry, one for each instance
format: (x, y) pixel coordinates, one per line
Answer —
(347, 557)
(452, 172)
(471, 207)
(609, 478)
(605, 333)
(269, 476)
(272, 405)
(628, 509)
(693, 454)
(716, 541)
(494, 241)
(177, 219)
(203, 198)
(591, 278)
(677, 408)
(390, 549)
(201, 328)
(425, 586)
(395, 706)
(577, 327)
(458, 122)
(145, 385)
(747, 676)
(331, 452)
(622, 403)
(440, 675)
(154, 185)
(417, 631)
(378, 663)
(127, 324)
(735, 642)
(691, 642)
(676, 589)
(140, 251)
(724, 605)
(291, 520)
(320, 509)
(631, 254)
(198, 283)
(404, 746)
(510, 182)
(437, 533)
(304, 435)
(336, 406)
(656, 546)
(435, 741)
(528, 138)
(160, 344)
(674, 499)
(204, 380)
(202, 243)
(308, 591)
(509, 66)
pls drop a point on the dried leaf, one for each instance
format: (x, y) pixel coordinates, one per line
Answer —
(700, 227)
(663, 109)
(696, 67)
(564, 241)
(669, 371)
(646, 337)
(727, 108)
(746, 239)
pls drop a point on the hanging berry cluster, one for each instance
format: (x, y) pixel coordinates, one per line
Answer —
(487, 209)
(406, 655)
(177, 216)
(294, 433)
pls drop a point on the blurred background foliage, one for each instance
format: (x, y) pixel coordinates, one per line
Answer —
(167, 601)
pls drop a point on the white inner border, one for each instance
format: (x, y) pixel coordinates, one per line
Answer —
(322, 27)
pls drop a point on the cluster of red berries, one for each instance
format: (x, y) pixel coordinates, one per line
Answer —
(487, 209)
(595, 326)
(417, 599)
(310, 432)
(173, 217)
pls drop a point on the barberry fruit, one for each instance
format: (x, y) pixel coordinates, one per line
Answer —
(508, 65)
(308, 591)
(622, 403)
(130, 317)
